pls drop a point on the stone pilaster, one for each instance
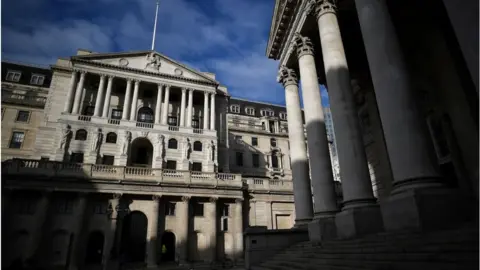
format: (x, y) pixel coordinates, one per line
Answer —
(183, 230)
(158, 104)
(126, 102)
(79, 216)
(153, 243)
(71, 90)
(212, 111)
(182, 107)
(190, 108)
(106, 103)
(212, 220)
(166, 105)
(205, 110)
(238, 216)
(78, 93)
(133, 110)
(99, 97)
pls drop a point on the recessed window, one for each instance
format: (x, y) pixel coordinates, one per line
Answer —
(111, 137)
(81, 135)
(23, 116)
(239, 158)
(172, 121)
(108, 160)
(13, 76)
(198, 210)
(145, 114)
(89, 110)
(64, 206)
(197, 146)
(283, 115)
(147, 94)
(170, 208)
(37, 79)
(225, 210)
(250, 111)
(17, 139)
(172, 144)
(273, 142)
(237, 138)
(255, 160)
(99, 208)
(76, 157)
(197, 166)
(171, 164)
(224, 224)
(267, 112)
(235, 109)
(195, 123)
(116, 114)
(254, 141)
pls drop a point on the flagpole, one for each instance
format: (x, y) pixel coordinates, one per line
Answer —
(155, 26)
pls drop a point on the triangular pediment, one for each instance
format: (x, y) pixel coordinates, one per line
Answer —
(149, 61)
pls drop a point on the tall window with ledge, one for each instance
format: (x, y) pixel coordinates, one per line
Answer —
(172, 144)
(274, 159)
(234, 108)
(273, 142)
(81, 135)
(88, 110)
(197, 146)
(116, 114)
(195, 123)
(224, 218)
(111, 137)
(283, 115)
(172, 121)
(145, 114)
(250, 111)
(266, 112)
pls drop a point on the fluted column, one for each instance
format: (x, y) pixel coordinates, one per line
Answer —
(190, 108)
(298, 150)
(158, 104)
(153, 241)
(106, 103)
(212, 220)
(183, 230)
(238, 229)
(98, 99)
(70, 93)
(133, 110)
(126, 102)
(78, 92)
(166, 105)
(212, 111)
(205, 110)
(182, 107)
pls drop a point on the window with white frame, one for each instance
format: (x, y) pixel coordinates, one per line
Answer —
(37, 79)
(235, 109)
(13, 75)
(283, 115)
(17, 139)
(266, 112)
(250, 111)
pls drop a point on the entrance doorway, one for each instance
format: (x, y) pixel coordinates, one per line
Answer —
(94, 252)
(141, 153)
(168, 247)
(134, 237)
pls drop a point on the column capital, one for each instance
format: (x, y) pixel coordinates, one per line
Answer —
(184, 89)
(213, 199)
(156, 197)
(129, 80)
(116, 196)
(82, 72)
(206, 94)
(321, 7)
(102, 76)
(287, 76)
(75, 70)
(167, 86)
(137, 81)
(186, 198)
(239, 200)
(110, 77)
(303, 45)
(160, 85)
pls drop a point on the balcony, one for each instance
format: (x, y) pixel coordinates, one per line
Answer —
(248, 127)
(268, 185)
(10, 97)
(117, 174)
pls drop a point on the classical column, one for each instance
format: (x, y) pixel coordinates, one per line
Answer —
(182, 107)
(165, 105)
(298, 150)
(112, 232)
(238, 229)
(190, 108)
(133, 110)
(183, 230)
(212, 111)
(41, 216)
(99, 97)
(106, 103)
(79, 216)
(158, 104)
(126, 102)
(153, 241)
(212, 220)
(78, 93)
(71, 89)
(205, 110)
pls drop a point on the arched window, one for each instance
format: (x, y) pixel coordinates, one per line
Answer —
(81, 135)
(145, 114)
(197, 146)
(111, 137)
(172, 144)
(273, 142)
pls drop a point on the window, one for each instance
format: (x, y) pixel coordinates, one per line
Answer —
(108, 160)
(273, 142)
(263, 126)
(225, 210)
(116, 114)
(147, 94)
(239, 158)
(274, 159)
(37, 79)
(195, 123)
(23, 116)
(111, 137)
(99, 208)
(172, 121)
(64, 206)
(172, 144)
(13, 76)
(197, 166)
(283, 115)
(81, 135)
(17, 139)
(145, 114)
(266, 112)
(235, 109)
(170, 208)
(197, 146)
(171, 164)
(224, 224)
(198, 210)
(255, 160)
(237, 138)
(88, 110)
(254, 141)
(250, 111)
(76, 158)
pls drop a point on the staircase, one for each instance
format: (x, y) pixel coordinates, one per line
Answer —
(443, 250)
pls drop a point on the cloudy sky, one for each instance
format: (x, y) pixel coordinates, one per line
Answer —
(226, 37)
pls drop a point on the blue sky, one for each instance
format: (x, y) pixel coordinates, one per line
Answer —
(226, 37)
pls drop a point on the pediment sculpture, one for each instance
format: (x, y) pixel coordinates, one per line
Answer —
(153, 62)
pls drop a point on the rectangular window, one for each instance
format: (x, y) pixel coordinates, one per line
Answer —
(224, 224)
(250, 111)
(116, 114)
(23, 116)
(237, 138)
(64, 206)
(89, 110)
(17, 139)
(171, 164)
(37, 79)
(76, 158)
(198, 210)
(108, 160)
(239, 158)
(99, 208)
(254, 141)
(225, 210)
(195, 123)
(197, 166)
(255, 160)
(170, 208)
(283, 115)
(13, 76)
(172, 121)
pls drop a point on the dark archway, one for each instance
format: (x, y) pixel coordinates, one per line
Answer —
(168, 247)
(94, 251)
(134, 237)
(141, 153)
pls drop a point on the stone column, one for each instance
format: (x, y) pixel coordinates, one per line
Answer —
(126, 102)
(106, 103)
(302, 192)
(79, 216)
(182, 107)
(165, 105)
(190, 108)
(133, 110)
(158, 104)
(325, 206)
(238, 229)
(212, 111)
(153, 241)
(205, 110)
(212, 220)
(71, 89)
(183, 230)
(41, 217)
(111, 238)
(78, 93)
(98, 100)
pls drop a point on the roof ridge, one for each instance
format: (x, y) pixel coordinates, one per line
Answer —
(46, 67)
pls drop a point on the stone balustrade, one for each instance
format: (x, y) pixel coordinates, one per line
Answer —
(257, 184)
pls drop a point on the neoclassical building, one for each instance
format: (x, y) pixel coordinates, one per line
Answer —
(137, 161)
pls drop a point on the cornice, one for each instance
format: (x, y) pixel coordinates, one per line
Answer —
(287, 47)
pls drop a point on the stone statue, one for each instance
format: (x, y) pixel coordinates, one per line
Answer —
(211, 151)
(153, 61)
(212, 154)
(187, 148)
(161, 145)
(67, 135)
(98, 141)
(126, 142)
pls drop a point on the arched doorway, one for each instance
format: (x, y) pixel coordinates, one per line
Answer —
(94, 252)
(134, 237)
(141, 153)
(168, 247)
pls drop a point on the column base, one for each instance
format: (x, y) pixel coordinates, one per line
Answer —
(359, 221)
(302, 223)
(424, 209)
(320, 229)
